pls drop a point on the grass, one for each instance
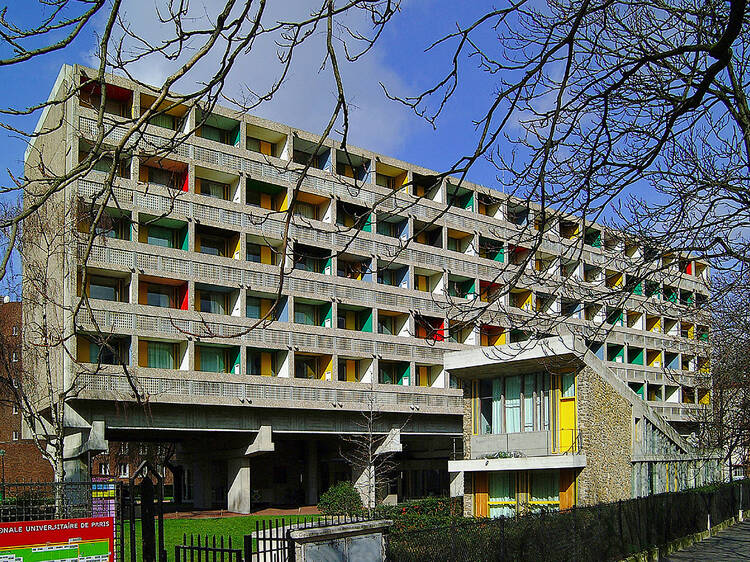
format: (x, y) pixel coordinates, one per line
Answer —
(174, 529)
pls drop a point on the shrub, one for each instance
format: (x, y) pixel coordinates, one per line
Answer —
(340, 499)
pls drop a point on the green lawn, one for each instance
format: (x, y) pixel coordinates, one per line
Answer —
(174, 529)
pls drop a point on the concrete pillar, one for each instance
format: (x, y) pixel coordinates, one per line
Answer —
(238, 485)
(311, 472)
(201, 485)
(363, 479)
(457, 484)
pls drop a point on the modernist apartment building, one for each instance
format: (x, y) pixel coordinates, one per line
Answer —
(188, 260)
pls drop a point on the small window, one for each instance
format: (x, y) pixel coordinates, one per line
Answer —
(123, 470)
(16, 436)
(104, 469)
(213, 245)
(160, 236)
(15, 330)
(160, 296)
(14, 357)
(104, 288)
(15, 409)
(568, 386)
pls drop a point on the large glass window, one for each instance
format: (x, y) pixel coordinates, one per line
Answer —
(214, 189)
(213, 359)
(160, 236)
(568, 386)
(104, 288)
(502, 494)
(160, 296)
(529, 383)
(305, 314)
(544, 487)
(162, 355)
(213, 303)
(512, 404)
(103, 354)
(213, 245)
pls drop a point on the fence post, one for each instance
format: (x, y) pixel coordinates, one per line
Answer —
(248, 550)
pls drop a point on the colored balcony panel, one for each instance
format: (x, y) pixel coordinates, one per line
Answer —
(427, 375)
(615, 316)
(597, 348)
(517, 214)
(428, 281)
(701, 270)
(426, 186)
(353, 166)
(354, 369)
(264, 362)
(218, 128)
(393, 323)
(461, 287)
(164, 232)
(460, 333)
(312, 312)
(704, 396)
(671, 326)
(428, 234)
(429, 328)
(687, 298)
(518, 336)
(312, 259)
(167, 114)
(113, 287)
(394, 372)
(394, 226)
(260, 306)
(635, 355)
(355, 318)
(118, 101)
(460, 197)
(308, 153)
(654, 392)
(592, 273)
(489, 291)
(611, 242)
(634, 284)
(593, 312)
(545, 303)
(653, 289)
(571, 308)
(491, 249)
(653, 323)
(687, 362)
(687, 330)
(103, 349)
(161, 354)
(654, 358)
(217, 359)
(492, 335)
(258, 250)
(639, 388)
(569, 229)
(702, 333)
(593, 237)
(461, 242)
(310, 207)
(113, 223)
(489, 206)
(518, 255)
(350, 266)
(521, 298)
(614, 279)
(544, 221)
(686, 266)
(393, 274)
(313, 366)
(671, 294)
(163, 293)
(264, 141)
(165, 173)
(672, 394)
(390, 177)
(353, 217)
(672, 360)
(635, 319)
(218, 242)
(615, 353)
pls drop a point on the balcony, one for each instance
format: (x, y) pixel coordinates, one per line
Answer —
(390, 177)
(393, 274)
(163, 293)
(314, 260)
(354, 267)
(266, 362)
(218, 128)
(264, 141)
(353, 217)
(352, 166)
(168, 115)
(393, 323)
(393, 226)
(460, 197)
(217, 242)
(217, 359)
(164, 232)
(356, 318)
(264, 195)
(165, 173)
(427, 187)
(217, 185)
(118, 101)
(428, 234)
(304, 152)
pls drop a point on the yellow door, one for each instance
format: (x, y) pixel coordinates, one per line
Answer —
(567, 411)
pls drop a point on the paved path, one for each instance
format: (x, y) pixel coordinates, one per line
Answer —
(731, 544)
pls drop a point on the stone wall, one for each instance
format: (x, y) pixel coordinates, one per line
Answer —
(467, 432)
(605, 420)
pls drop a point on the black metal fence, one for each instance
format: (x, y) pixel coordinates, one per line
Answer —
(269, 542)
(610, 531)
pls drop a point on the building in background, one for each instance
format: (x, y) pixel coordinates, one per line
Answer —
(20, 459)
(187, 261)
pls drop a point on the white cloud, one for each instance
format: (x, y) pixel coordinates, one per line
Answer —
(309, 94)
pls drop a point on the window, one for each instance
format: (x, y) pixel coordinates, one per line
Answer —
(123, 470)
(14, 356)
(157, 295)
(261, 363)
(544, 487)
(160, 236)
(253, 253)
(214, 189)
(306, 314)
(104, 288)
(15, 409)
(104, 469)
(213, 245)
(162, 355)
(387, 325)
(306, 367)
(103, 354)
(502, 494)
(15, 330)
(213, 303)
(163, 177)
(213, 359)
(512, 404)
(568, 386)
(253, 307)
(214, 134)
(16, 436)
(257, 145)
(165, 121)
(306, 210)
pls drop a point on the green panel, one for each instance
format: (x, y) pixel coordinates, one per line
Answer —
(638, 289)
(235, 359)
(327, 318)
(404, 376)
(234, 136)
(367, 227)
(500, 255)
(367, 324)
(327, 268)
(636, 359)
(615, 352)
(182, 239)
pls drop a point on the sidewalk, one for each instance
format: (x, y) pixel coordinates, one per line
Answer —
(730, 544)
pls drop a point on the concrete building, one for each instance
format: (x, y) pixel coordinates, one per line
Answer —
(557, 427)
(188, 261)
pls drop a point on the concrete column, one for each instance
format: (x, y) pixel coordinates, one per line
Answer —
(457, 484)
(364, 482)
(311, 469)
(238, 485)
(201, 485)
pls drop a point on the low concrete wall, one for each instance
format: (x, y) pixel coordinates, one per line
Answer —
(364, 541)
(530, 443)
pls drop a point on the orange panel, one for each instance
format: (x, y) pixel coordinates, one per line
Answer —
(481, 494)
(567, 488)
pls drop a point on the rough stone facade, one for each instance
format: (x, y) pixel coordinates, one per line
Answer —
(467, 432)
(605, 420)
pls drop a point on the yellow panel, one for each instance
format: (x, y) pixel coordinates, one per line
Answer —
(143, 233)
(423, 376)
(198, 185)
(421, 283)
(284, 202)
(237, 253)
(197, 242)
(265, 364)
(567, 423)
(198, 300)
(197, 360)
(691, 332)
(328, 371)
(142, 353)
(705, 399)
(481, 494)
(265, 255)
(351, 370)
(142, 293)
(527, 302)
(484, 340)
(265, 148)
(265, 306)
(84, 353)
(351, 319)
(143, 174)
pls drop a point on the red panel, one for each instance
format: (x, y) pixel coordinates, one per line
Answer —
(185, 183)
(183, 297)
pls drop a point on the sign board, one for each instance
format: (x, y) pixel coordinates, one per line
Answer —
(85, 540)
